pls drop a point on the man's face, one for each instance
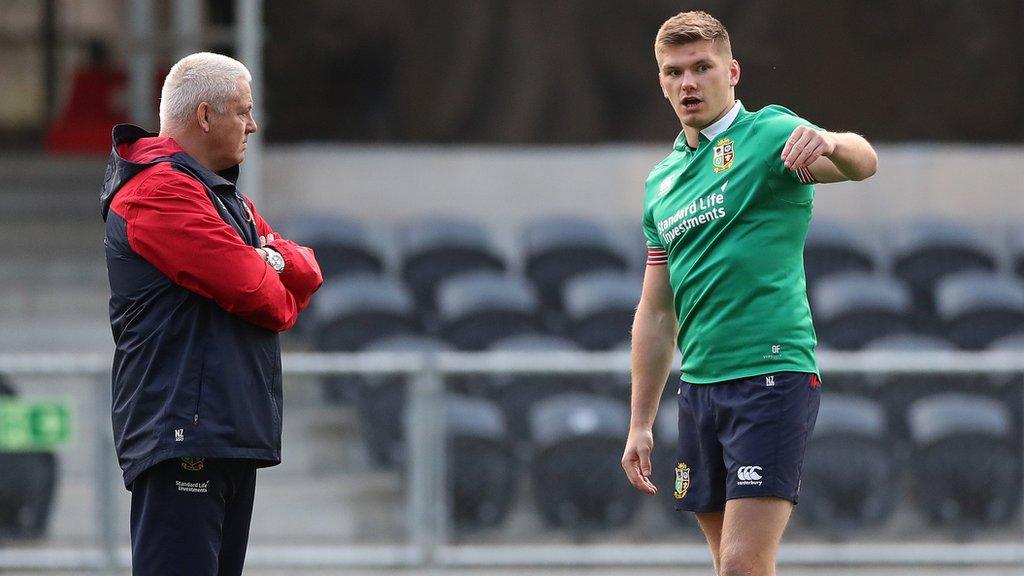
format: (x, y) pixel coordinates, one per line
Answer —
(230, 130)
(698, 80)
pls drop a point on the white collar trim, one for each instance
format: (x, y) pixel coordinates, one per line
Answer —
(723, 123)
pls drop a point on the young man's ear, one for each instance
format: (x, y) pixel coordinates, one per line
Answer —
(203, 116)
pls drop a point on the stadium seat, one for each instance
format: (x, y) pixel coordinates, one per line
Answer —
(517, 393)
(556, 249)
(849, 468)
(352, 312)
(27, 487)
(600, 307)
(481, 472)
(343, 246)
(966, 467)
(978, 308)
(434, 249)
(851, 309)
(576, 473)
(831, 249)
(380, 400)
(478, 308)
(1016, 246)
(925, 251)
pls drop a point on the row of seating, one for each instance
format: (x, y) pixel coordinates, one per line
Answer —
(963, 465)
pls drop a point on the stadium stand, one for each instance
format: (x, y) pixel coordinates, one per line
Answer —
(576, 475)
(599, 308)
(851, 309)
(478, 308)
(925, 251)
(437, 248)
(350, 313)
(556, 249)
(965, 467)
(977, 308)
(343, 246)
(832, 249)
(481, 468)
(849, 468)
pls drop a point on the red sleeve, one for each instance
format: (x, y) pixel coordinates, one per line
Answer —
(175, 227)
(301, 276)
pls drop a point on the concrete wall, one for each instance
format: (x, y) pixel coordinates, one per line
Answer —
(502, 186)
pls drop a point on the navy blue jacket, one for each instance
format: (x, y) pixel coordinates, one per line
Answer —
(194, 309)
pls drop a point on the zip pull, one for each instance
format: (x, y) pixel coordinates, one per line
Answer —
(195, 419)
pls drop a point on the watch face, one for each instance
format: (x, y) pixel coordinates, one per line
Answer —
(276, 261)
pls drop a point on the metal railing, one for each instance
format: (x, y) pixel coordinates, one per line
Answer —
(429, 543)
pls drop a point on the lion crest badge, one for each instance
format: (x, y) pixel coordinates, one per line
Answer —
(192, 464)
(724, 153)
(682, 480)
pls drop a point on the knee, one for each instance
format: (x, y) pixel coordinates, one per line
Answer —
(738, 562)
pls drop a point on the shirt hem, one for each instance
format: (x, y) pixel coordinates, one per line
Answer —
(760, 371)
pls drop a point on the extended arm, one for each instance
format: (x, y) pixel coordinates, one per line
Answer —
(830, 156)
(654, 340)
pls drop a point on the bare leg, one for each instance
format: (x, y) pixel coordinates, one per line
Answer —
(751, 531)
(711, 524)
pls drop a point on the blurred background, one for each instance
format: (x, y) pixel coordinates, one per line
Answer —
(470, 174)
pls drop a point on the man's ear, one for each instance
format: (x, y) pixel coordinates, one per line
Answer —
(203, 116)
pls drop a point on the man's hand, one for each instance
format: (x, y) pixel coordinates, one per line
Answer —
(805, 145)
(264, 240)
(636, 460)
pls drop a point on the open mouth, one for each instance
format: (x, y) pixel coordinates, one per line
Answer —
(691, 102)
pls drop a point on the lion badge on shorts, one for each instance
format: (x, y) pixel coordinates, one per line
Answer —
(192, 464)
(682, 480)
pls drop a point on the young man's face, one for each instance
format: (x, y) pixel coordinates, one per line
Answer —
(230, 130)
(698, 80)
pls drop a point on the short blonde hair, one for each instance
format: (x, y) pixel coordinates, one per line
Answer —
(197, 78)
(694, 26)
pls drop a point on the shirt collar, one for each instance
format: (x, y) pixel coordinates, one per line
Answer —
(723, 123)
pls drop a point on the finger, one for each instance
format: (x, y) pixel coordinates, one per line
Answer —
(790, 142)
(270, 238)
(799, 149)
(644, 483)
(263, 241)
(809, 155)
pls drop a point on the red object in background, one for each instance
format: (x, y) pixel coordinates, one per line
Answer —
(95, 106)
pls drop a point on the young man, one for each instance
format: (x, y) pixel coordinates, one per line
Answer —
(725, 216)
(200, 286)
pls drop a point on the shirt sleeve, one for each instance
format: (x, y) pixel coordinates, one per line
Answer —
(776, 127)
(301, 276)
(657, 255)
(174, 226)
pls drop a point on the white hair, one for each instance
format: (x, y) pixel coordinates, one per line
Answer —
(196, 78)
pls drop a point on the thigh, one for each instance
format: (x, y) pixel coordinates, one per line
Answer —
(177, 511)
(751, 531)
(700, 472)
(764, 423)
(237, 517)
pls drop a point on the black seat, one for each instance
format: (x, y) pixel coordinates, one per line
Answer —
(478, 308)
(343, 246)
(481, 468)
(600, 307)
(831, 249)
(966, 466)
(27, 486)
(352, 312)
(1016, 246)
(381, 400)
(517, 393)
(849, 469)
(556, 249)
(978, 308)
(851, 309)
(434, 249)
(925, 251)
(577, 478)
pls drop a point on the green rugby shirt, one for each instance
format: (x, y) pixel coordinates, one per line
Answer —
(729, 220)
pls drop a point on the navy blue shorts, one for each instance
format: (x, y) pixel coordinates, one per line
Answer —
(743, 438)
(190, 517)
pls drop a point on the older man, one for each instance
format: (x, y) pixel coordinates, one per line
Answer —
(200, 286)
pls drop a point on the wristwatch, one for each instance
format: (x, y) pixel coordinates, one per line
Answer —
(275, 259)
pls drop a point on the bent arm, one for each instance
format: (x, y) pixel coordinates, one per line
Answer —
(852, 158)
(301, 275)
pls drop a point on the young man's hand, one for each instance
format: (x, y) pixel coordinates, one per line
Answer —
(805, 145)
(636, 460)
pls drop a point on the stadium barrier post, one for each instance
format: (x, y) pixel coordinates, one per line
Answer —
(426, 460)
(106, 498)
